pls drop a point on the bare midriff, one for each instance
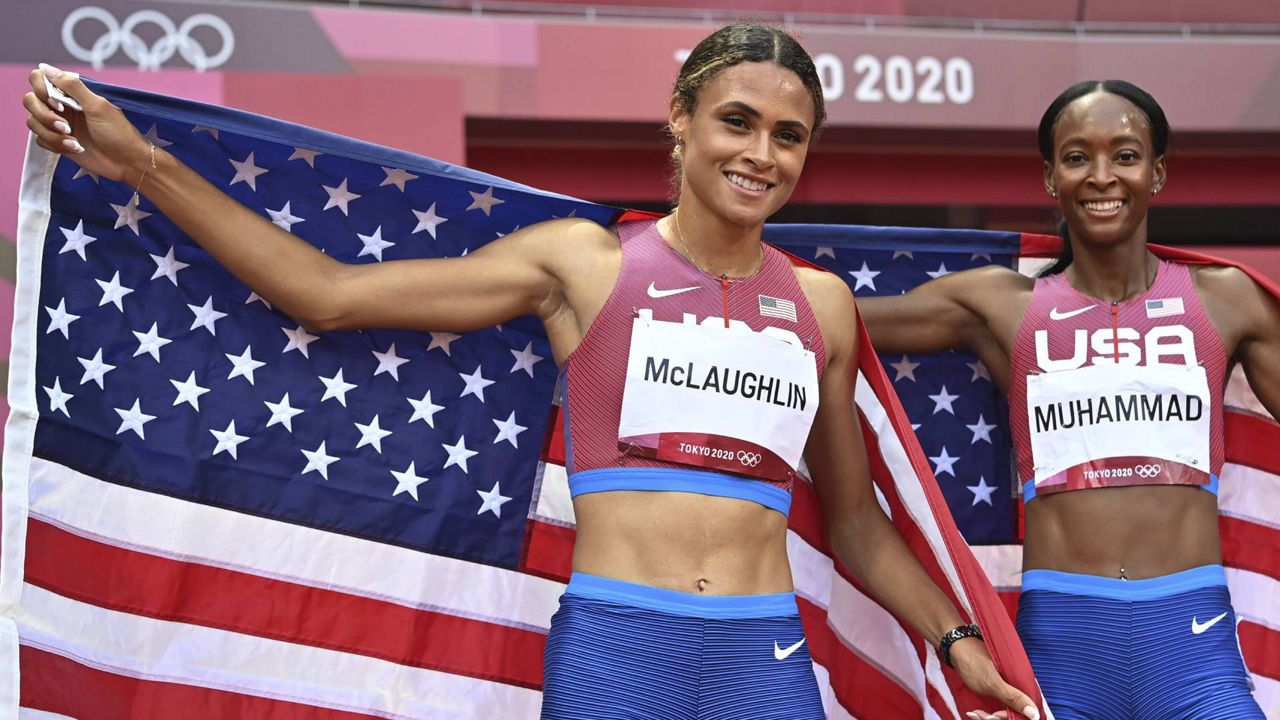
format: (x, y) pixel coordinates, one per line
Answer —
(1138, 532)
(682, 541)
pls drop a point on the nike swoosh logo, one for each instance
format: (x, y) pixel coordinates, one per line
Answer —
(1197, 628)
(1055, 315)
(780, 654)
(656, 293)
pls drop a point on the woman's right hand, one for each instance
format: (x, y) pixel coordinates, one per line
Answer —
(100, 139)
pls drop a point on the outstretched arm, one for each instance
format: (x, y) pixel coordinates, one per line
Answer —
(1259, 348)
(861, 535)
(517, 275)
(944, 314)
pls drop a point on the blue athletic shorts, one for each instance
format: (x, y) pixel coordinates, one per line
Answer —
(619, 650)
(1158, 649)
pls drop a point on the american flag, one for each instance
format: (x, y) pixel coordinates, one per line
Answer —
(210, 512)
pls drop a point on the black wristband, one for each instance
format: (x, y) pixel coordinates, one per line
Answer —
(944, 645)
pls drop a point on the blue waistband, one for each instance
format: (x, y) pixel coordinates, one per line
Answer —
(1029, 488)
(701, 482)
(680, 603)
(1117, 589)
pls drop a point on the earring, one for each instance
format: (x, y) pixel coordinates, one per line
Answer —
(1053, 193)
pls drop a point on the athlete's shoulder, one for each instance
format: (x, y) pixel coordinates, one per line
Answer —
(1223, 280)
(826, 291)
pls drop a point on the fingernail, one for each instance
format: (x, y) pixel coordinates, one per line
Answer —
(1031, 712)
(62, 127)
(53, 72)
(73, 145)
(57, 105)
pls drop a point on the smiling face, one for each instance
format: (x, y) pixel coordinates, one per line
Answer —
(745, 142)
(1104, 169)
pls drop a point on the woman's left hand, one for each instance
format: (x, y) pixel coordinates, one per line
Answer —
(970, 658)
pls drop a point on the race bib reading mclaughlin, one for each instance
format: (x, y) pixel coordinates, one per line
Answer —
(1107, 425)
(728, 399)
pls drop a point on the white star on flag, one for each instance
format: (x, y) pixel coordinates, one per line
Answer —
(284, 217)
(865, 277)
(255, 297)
(299, 339)
(942, 270)
(372, 434)
(81, 172)
(129, 214)
(243, 364)
(228, 440)
(942, 401)
(60, 319)
(168, 266)
(374, 244)
(188, 391)
(508, 430)
(476, 383)
(407, 481)
(282, 413)
(492, 501)
(821, 251)
(246, 172)
(525, 359)
(211, 131)
(459, 454)
(905, 369)
(339, 197)
(58, 397)
(307, 156)
(981, 430)
(95, 369)
(77, 240)
(442, 340)
(425, 410)
(902, 253)
(389, 362)
(154, 136)
(318, 460)
(428, 221)
(397, 177)
(206, 316)
(336, 387)
(982, 492)
(113, 292)
(979, 371)
(484, 201)
(133, 419)
(150, 342)
(944, 463)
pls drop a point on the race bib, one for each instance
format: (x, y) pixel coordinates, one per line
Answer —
(728, 399)
(1108, 425)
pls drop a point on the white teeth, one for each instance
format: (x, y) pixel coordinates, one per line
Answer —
(1107, 206)
(748, 184)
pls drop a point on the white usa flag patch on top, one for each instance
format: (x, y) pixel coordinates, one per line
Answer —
(778, 308)
(1164, 308)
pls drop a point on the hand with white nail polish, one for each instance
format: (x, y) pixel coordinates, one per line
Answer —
(99, 138)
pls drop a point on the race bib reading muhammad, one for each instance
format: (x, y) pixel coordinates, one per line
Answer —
(1107, 425)
(728, 399)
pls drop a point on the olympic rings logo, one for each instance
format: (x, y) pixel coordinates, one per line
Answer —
(749, 459)
(1147, 471)
(121, 36)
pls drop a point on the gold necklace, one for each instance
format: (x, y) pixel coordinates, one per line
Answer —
(675, 218)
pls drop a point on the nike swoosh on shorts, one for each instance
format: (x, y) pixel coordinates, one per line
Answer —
(780, 654)
(1197, 628)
